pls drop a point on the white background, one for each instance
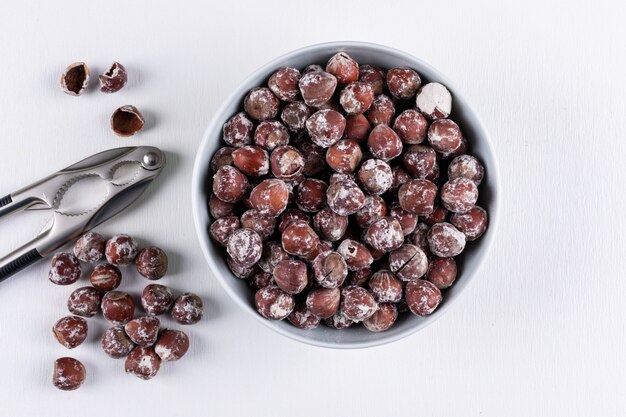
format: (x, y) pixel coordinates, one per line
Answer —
(540, 332)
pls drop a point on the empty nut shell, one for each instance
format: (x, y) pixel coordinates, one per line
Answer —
(69, 374)
(114, 79)
(126, 121)
(75, 78)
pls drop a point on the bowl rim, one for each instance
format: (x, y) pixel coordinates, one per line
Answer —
(199, 204)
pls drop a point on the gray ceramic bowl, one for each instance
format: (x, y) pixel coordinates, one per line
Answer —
(469, 262)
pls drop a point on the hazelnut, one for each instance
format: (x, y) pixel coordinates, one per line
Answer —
(357, 256)
(375, 176)
(126, 121)
(269, 135)
(291, 276)
(237, 131)
(459, 195)
(172, 345)
(118, 307)
(438, 215)
(345, 197)
(114, 79)
(272, 254)
(156, 299)
(357, 303)
(330, 269)
(294, 116)
(106, 277)
(359, 277)
(75, 79)
(270, 197)
(229, 184)
(311, 195)
(385, 234)
(466, 166)
(384, 143)
(417, 196)
(442, 272)
(219, 208)
(263, 225)
(434, 101)
(84, 301)
(422, 297)
(472, 223)
(69, 374)
(143, 331)
(323, 302)
(261, 104)
(339, 321)
(313, 156)
(284, 84)
(116, 343)
(356, 97)
(222, 228)
(381, 111)
(373, 209)
(344, 156)
(121, 250)
(188, 309)
(407, 220)
(245, 247)
(408, 262)
(385, 287)
(260, 280)
(303, 318)
(326, 127)
(419, 160)
(342, 66)
(403, 83)
(239, 270)
(330, 225)
(299, 239)
(142, 362)
(90, 247)
(70, 331)
(151, 263)
(65, 269)
(357, 128)
(251, 160)
(273, 303)
(382, 319)
(374, 76)
(444, 135)
(411, 126)
(445, 240)
(317, 87)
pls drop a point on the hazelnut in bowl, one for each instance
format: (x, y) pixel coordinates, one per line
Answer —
(345, 194)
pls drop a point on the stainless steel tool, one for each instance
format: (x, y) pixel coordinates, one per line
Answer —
(48, 194)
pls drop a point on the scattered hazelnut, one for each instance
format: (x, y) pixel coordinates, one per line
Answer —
(126, 121)
(106, 277)
(65, 269)
(121, 250)
(70, 331)
(118, 307)
(188, 309)
(142, 362)
(172, 345)
(116, 343)
(90, 247)
(143, 331)
(151, 263)
(84, 301)
(156, 299)
(69, 374)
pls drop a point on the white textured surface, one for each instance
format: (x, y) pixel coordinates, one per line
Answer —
(540, 333)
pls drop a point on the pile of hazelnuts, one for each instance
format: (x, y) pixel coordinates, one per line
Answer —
(343, 195)
(141, 340)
